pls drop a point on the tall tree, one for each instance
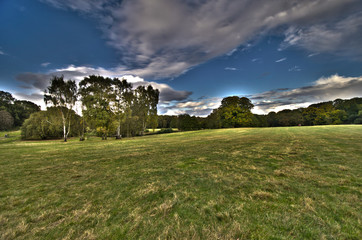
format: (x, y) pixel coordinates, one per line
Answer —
(146, 105)
(236, 112)
(6, 99)
(122, 90)
(62, 94)
(97, 95)
(22, 109)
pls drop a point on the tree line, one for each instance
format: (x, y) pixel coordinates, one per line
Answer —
(235, 111)
(113, 107)
(110, 107)
(13, 112)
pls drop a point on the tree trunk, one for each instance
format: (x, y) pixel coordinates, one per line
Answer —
(119, 132)
(143, 127)
(64, 128)
(67, 133)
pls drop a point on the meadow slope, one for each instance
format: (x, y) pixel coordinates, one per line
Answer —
(256, 183)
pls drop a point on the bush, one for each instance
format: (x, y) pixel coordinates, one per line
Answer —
(165, 130)
(6, 120)
(358, 120)
(48, 125)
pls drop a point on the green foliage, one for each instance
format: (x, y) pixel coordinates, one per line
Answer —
(62, 94)
(236, 112)
(165, 130)
(19, 109)
(165, 121)
(48, 125)
(97, 95)
(6, 120)
(112, 106)
(145, 106)
(188, 123)
(6, 99)
(122, 98)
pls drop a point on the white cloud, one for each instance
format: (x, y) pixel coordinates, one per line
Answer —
(162, 39)
(45, 64)
(281, 60)
(313, 54)
(201, 108)
(295, 69)
(256, 60)
(230, 69)
(232, 52)
(2, 53)
(324, 89)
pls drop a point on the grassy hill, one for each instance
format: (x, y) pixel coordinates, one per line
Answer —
(262, 183)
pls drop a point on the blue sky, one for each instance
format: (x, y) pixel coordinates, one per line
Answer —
(280, 54)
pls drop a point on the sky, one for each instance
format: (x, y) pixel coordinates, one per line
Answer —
(281, 54)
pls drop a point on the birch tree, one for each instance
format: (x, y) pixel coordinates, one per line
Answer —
(63, 95)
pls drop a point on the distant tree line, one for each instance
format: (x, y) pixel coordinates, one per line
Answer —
(110, 107)
(13, 112)
(236, 112)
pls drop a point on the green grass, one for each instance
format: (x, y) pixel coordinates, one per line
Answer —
(262, 183)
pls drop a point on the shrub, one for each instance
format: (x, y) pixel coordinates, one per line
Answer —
(165, 130)
(6, 120)
(48, 125)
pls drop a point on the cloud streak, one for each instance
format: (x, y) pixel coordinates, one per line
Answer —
(230, 69)
(281, 60)
(163, 39)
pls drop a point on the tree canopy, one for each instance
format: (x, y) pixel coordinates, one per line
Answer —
(62, 94)
(18, 109)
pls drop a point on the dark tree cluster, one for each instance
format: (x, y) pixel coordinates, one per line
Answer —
(326, 113)
(110, 107)
(48, 125)
(236, 112)
(13, 112)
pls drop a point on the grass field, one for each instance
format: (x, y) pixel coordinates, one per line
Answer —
(262, 183)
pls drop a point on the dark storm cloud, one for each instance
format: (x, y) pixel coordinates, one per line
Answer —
(36, 80)
(166, 38)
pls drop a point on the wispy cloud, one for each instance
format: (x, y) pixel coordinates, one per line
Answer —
(313, 54)
(162, 39)
(281, 60)
(295, 69)
(230, 69)
(232, 52)
(342, 37)
(258, 60)
(45, 64)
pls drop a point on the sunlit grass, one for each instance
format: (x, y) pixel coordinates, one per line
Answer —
(279, 183)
